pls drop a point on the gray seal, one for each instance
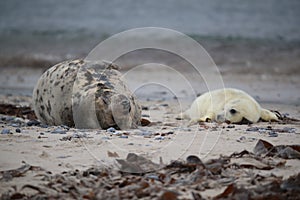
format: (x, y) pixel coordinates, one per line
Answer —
(85, 94)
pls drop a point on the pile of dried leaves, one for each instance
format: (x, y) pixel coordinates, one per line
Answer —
(236, 175)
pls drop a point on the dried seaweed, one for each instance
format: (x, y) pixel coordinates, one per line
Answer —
(18, 111)
(264, 148)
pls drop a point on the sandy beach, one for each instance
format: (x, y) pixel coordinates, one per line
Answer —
(51, 150)
(250, 45)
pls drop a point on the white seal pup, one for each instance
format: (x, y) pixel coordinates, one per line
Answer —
(85, 94)
(227, 105)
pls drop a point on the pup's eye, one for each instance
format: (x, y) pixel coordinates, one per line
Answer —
(232, 111)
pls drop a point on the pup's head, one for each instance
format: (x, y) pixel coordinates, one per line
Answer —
(240, 111)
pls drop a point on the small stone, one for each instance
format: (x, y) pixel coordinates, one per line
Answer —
(231, 126)
(41, 133)
(123, 136)
(158, 137)
(111, 130)
(15, 125)
(18, 130)
(145, 122)
(105, 138)
(65, 127)
(145, 133)
(289, 130)
(59, 131)
(273, 134)
(145, 108)
(241, 139)
(118, 133)
(33, 123)
(5, 131)
(252, 129)
(192, 159)
(164, 104)
(43, 125)
(130, 143)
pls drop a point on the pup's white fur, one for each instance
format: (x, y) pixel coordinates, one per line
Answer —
(227, 105)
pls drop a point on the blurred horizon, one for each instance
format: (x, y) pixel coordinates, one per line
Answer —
(270, 19)
(40, 33)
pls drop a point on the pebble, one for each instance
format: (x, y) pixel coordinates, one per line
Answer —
(33, 123)
(152, 176)
(289, 130)
(273, 134)
(8, 118)
(18, 130)
(123, 136)
(158, 137)
(193, 160)
(5, 131)
(145, 108)
(241, 139)
(80, 135)
(15, 125)
(105, 138)
(44, 126)
(111, 130)
(164, 104)
(252, 129)
(118, 133)
(144, 133)
(130, 143)
(59, 131)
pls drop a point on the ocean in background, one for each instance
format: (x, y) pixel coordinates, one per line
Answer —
(40, 30)
(268, 19)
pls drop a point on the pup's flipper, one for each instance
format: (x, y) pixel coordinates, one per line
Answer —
(267, 115)
(207, 118)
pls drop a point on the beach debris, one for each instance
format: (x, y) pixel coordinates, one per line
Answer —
(136, 164)
(112, 154)
(139, 177)
(18, 111)
(275, 189)
(264, 148)
(272, 132)
(8, 175)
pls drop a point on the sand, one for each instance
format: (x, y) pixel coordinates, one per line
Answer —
(164, 140)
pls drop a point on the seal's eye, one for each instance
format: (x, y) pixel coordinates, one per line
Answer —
(232, 111)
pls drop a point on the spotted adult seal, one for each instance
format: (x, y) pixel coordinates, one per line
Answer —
(85, 94)
(227, 105)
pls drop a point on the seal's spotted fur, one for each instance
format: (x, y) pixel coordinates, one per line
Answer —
(86, 94)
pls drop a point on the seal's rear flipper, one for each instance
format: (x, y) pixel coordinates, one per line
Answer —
(267, 115)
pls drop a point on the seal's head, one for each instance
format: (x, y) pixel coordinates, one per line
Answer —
(240, 111)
